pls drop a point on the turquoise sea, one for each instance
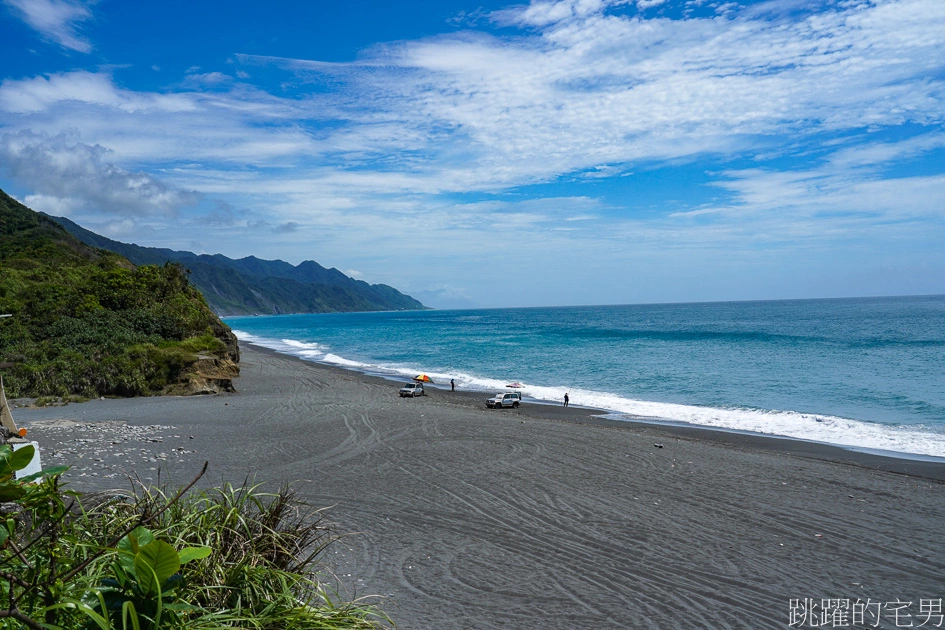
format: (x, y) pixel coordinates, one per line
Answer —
(863, 373)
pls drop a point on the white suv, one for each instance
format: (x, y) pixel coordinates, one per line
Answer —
(411, 389)
(505, 399)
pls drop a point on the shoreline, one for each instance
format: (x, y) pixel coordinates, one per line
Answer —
(889, 461)
(876, 439)
(457, 516)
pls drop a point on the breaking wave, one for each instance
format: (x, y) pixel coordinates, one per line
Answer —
(847, 432)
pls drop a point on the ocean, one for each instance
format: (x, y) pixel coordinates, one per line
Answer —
(863, 373)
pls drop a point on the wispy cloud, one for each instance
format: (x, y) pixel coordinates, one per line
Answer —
(57, 20)
(818, 194)
(874, 154)
(543, 13)
(799, 117)
(592, 88)
(58, 93)
(472, 112)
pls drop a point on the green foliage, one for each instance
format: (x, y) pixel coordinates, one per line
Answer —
(261, 571)
(224, 558)
(145, 584)
(206, 343)
(26, 557)
(86, 322)
(10, 462)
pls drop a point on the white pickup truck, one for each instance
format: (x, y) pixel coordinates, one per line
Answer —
(505, 399)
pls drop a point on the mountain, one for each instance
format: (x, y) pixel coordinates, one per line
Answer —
(250, 286)
(445, 299)
(87, 322)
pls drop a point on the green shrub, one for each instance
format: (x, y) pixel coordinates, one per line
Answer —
(105, 337)
(204, 343)
(222, 558)
(82, 315)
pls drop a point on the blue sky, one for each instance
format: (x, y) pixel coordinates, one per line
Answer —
(493, 154)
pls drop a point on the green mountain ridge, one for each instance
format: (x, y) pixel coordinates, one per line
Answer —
(87, 322)
(252, 286)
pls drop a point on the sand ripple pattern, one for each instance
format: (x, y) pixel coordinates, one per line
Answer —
(465, 517)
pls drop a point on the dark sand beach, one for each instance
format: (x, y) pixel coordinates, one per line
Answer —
(542, 517)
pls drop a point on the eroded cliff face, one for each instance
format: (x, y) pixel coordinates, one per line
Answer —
(222, 332)
(208, 375)
(211, 373)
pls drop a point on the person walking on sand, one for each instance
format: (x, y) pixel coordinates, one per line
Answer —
(452, 385)
(566, 399)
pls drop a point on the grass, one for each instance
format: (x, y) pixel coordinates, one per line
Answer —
(263, 570)
(262, 573)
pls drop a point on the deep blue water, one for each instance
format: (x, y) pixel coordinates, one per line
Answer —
(866, 372)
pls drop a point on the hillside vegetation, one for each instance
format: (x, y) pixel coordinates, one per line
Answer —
(87, 322)
(251, 285)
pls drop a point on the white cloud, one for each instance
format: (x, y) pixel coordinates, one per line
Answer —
(145, 129)
(542, 13)
(874, 154)
(57, 20)
(477, 113)
(581, 95)
(815, 206)
(120, 228)
(68, 175)
(59, 91)
(473, 112)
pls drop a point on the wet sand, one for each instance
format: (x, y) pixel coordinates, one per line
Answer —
(541, 517)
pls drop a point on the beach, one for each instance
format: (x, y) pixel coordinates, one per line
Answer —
(459, 516)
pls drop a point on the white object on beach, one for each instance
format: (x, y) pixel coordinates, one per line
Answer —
(6, 420)
(34, 466)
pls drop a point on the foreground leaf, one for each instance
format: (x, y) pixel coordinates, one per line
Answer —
(48, 472)
(194, 553)
(22, 457)
(154, 564)
(11, 491)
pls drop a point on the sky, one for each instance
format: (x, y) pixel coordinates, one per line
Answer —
(491, 154)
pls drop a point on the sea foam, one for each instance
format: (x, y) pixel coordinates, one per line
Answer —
(847, 432)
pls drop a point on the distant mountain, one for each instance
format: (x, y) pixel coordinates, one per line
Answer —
(251, 286)
(445, 299)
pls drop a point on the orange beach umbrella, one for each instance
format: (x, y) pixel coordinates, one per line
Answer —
(422, 378)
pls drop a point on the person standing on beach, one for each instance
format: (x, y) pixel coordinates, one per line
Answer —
(566, 399)
(452, 385)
